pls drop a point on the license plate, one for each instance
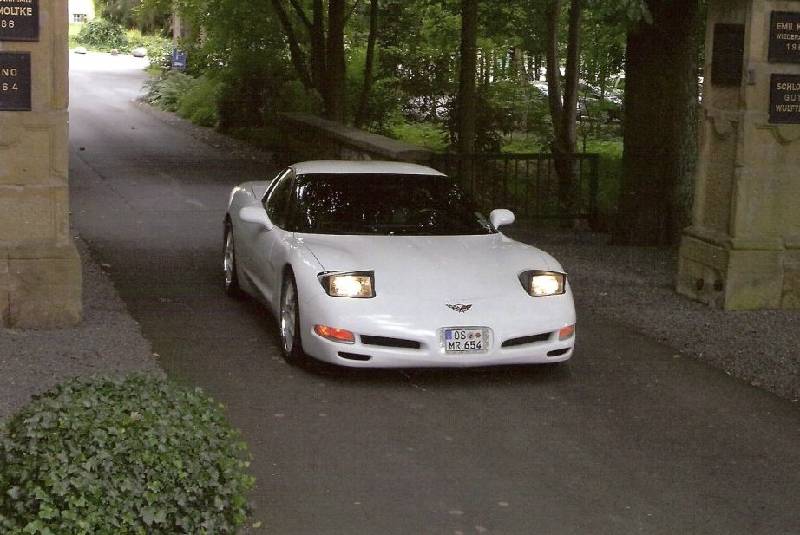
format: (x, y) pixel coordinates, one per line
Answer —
(465, 340)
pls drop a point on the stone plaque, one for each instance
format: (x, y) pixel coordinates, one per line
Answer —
(727, 60)
(784, 37)
(15, 81)
(784, 102)
(19, 20)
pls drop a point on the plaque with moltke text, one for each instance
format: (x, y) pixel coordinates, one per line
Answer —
(19, 20)
(15, 81)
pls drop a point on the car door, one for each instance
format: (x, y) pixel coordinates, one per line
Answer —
(268, 247)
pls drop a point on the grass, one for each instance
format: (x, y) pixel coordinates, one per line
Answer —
(428, 135)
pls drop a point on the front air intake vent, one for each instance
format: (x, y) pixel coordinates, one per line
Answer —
(526, 340)
(386, 341)
(354, 356)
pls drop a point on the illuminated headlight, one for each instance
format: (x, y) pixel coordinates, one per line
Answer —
(544, 283)
(358, 284)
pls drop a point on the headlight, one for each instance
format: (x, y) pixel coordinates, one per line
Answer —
(358, 284)
(543, 283)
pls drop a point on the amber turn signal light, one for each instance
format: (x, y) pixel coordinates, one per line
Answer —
(566, 332)
(335, 335)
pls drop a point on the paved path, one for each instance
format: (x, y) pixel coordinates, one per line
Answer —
(628, 439)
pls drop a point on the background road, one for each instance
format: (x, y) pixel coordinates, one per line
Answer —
(627, 439)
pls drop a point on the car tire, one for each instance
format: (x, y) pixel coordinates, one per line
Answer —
(231, 276)
(289, 323)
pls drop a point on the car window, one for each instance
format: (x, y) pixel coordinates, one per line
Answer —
(277, 200)
(272, 184)
(385, 204)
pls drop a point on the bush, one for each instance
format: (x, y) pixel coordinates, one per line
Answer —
(102, 34)
(139, 455)
(159, 49)
(159, 52)
(167, 90)
(199, 104)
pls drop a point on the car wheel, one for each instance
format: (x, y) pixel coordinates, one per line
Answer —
(232, 287)
(291, 344)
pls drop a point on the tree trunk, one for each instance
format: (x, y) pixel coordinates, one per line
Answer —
(295, 52)
(660, 125)
(334, 93)
(363, 107)
(564, 113)
(467, 95)
(318, 52)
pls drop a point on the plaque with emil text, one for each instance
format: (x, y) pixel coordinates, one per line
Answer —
(19, 20)
(15, 81)
(784, 37)
(784, 105)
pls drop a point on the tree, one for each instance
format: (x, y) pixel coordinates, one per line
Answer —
(333, 92)
(148, 16)
(369, 64)
(564, 110)
(467, 95)
(328, 61)
(660, 124)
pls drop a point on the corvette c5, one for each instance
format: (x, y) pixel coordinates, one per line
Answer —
(387, 265)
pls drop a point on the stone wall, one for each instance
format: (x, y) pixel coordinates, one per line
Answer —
(40, 275)
(317, 138)
(743, 249)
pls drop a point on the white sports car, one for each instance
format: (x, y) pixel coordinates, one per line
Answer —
(378, 264)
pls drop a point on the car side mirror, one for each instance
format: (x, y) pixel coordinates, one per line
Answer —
(502, 218)
(257, 216)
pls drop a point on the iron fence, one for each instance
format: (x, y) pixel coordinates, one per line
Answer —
(528, 184)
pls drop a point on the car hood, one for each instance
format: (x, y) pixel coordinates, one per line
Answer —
(453, 267)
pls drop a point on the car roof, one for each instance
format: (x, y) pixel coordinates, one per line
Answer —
(319, 167)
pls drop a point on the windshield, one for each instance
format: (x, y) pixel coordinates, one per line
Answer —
(384, 204)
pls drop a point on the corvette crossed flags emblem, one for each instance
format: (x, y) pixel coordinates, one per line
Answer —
(460, 308)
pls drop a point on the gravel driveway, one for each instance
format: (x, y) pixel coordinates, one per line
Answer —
(107, 342)
(635, 286)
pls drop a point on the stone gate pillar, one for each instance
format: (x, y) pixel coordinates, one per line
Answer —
(40, 274)
(743, 249)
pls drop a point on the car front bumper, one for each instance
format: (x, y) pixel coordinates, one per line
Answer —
(423, 322)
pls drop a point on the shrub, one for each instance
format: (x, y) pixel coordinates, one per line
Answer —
(139, 455)
(159, 52)
(102, 34)
(159, 49)
(166, 91)
(293, 97)
(199, 104)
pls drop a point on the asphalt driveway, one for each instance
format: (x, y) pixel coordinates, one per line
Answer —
(626, 439)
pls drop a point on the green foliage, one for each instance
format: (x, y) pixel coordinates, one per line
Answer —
(102, 34)
(431, 136)
(610, 174)
(199, 104)
(144, 15)
(166, 91)
(74, 30)
(103, 456)
(293, 97)
(159, 52)
(158, 48)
